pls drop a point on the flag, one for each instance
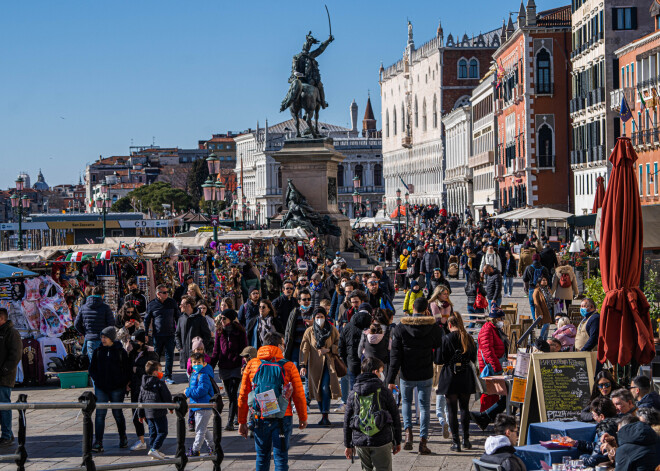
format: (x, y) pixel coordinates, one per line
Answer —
(74, 257)
(403, 183)
(641, 99)
(624, 113)
(105, 255)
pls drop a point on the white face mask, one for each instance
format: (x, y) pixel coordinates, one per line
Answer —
(500, 324)
(320, 322)
(381, 376)
(343, 284)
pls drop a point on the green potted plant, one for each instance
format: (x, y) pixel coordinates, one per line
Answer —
(652, 292)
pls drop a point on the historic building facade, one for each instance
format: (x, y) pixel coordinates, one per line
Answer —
(261, 180)
(458, 143)
(599, 27)
(427, 83)
(531, 105)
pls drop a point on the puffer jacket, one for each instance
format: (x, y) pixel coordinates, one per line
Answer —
(564, 293)
(638, 448)
(409, 301)
(319, 293)
(366, 384)
(493, 285)
(291, 375)
(153, 391)
(11, 352)
(430, 260)
(110, 367)
(566, 335)
(413, 342)
(499, 451)
(471, 290)
(491, 347)
(349, 341)
(200, 389)
(93, 317)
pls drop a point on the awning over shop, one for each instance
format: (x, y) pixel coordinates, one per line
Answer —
(29, 256)
(584, 221)
(8, 271)
(231, 236)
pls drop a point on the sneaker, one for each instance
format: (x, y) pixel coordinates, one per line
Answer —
(156, 454)
(340, 409)
(139, 446)
(191, 452)
(97, 447)
(170, 381)
(6, 441)
(445, 430)
(123, 442)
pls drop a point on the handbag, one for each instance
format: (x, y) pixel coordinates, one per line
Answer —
(480, 301)
(478, 380)
(488, 369)
(340, 367)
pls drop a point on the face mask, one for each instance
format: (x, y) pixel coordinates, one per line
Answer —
(197, 368)
(584, 311)
(159, 374)
(500, 324)
(381, 376)
(319, 322)
(135, 291)
(343, 284)
(304, 308)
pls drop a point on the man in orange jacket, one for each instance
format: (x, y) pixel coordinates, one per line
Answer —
(272, 434)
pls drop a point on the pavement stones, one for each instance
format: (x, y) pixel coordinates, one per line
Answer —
(54, 437)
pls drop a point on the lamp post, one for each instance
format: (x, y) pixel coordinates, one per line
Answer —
(19, 203)
(257, 212)
(398, 209)
(368, 208)
(213, 191)
(103, 204)
(234, 207)
(384, 205)
(407, 208)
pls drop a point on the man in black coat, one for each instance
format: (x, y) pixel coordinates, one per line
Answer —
(413, 342)
(549, 258)
(191, 324)
(136, 297)
(493, 285)
(349, 340)
(286, 302)
(164, 313)
(375, 451)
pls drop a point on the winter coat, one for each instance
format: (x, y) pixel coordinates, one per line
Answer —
(290, 330)
(164, 316)
(435, 282)
(565, 293)
(11, 353)
(366, 384)
(413, 342)
(593, 456)
(430, 260)
(330, 284)
(291, 375)
(254, 324)
(349, 341)
(247, 312)
(283, 306)
(509, 267)
(525, 259)
(94, 316)
(542, 307)
(493, 284)
(549, 259)
(380, 300)
(528, 275)
(315, 363)
(377, 347)
(189, 366)
(471, 290)
(411, 297)
(110, 368)
(189, 327)
(652, 400)
(338, 298)
(492, 259)
(139, 361)
(228, 346)
(138, 300)
(200, 389)
(153, 391)
(450, 382)
(319, 293)
(499, 451)
(566, 335)
(638, 448)
(416, 263)
(491, 347)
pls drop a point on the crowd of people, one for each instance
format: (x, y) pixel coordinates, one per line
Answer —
(305, 335)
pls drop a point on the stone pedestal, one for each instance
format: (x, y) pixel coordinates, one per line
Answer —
(312, 166)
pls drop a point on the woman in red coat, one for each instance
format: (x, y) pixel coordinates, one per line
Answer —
(491, 349)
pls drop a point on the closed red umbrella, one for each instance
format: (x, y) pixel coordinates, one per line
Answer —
(625, 324)
(600, 194)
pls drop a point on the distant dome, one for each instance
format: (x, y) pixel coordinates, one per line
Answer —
(40, 184)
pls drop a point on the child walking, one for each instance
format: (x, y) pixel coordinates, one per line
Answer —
(154, 390)
(197, 347)
(200, 391)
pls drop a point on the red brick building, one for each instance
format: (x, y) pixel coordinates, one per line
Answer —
(531, 108)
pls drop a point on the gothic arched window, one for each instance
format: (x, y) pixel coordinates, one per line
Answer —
(435, 111)
(340, 176)
(474, 68)
(545, 150)
(462, 68)
(543, 81)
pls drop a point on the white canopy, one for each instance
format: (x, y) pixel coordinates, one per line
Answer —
(536, 213)
(231, 236)
(28, 256)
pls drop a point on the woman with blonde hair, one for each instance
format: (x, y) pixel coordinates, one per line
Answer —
(456, 378)
(195, 293)
(441, 306)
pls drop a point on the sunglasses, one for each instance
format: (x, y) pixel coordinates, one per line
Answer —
(263, 307)
(604, 385)
(288, 289)
(163, 292)
(305, 299)
(373, 282)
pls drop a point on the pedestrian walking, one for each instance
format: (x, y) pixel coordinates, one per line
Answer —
(544, 303)
(508, 273)
(162, 314)
(266, 322)
(94, 316)
(491, 349)
(200, 391)
(191, 324)
(154, 390)
(138, 357)
(11, 352)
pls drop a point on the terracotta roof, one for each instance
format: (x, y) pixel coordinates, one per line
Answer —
(115, 159)
(221, 139)
(369, 112)
(560, 16)
(126, 186)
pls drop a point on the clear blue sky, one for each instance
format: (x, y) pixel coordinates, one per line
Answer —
(86, 78)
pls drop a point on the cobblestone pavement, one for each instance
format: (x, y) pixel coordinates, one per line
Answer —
(54, 437)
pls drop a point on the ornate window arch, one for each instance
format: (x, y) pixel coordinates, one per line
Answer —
(473, 71)
(435, 111)
(462, 101)
(462, 68)
(387, 123)
(424, 115)
(416, 113)
(394, 120)
(545, 149)
(543, 64)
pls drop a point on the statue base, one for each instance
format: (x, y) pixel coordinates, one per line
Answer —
(311, 164)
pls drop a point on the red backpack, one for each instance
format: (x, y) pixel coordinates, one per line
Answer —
(565, 280)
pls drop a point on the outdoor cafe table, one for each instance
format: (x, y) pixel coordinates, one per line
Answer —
(541, 432)
(532, 455)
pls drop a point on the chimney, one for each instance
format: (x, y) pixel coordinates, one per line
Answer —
(531, 13)
(354, 116)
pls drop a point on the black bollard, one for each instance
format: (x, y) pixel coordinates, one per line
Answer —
(88, 399)
(217, 432)
(21, 452)
(181, 412)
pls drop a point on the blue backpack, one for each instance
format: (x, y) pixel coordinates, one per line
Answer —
(269, 376)
(538, 273)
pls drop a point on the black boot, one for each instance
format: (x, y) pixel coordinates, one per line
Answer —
(466, 443)
(481, 419)
(456, 443)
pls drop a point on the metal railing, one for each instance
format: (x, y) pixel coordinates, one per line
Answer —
(87, 405)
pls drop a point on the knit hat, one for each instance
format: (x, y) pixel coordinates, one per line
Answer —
(320, 310)
(140, 336)
(197, 342)
(249, 352)
(365, 307)
(536, 257)
(495, 312)
(110, 332)
(413, 283)
(230, 314)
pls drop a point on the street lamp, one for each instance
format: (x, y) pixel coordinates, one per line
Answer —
(20, 203)
(103, 204)
(357, 200)
(384, 204)
(356, 182)
(257, 212)
(368, 208)
(398, 209)
(234, 207)
(214, 191)
(407, 208)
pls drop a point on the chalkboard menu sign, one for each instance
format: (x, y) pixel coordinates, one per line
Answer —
(565, 386)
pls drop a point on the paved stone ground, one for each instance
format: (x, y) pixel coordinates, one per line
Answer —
(54, 437)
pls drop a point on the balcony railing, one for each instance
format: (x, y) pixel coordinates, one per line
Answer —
(591, 154)
(362, 190)
(646, 138)
(483, 158)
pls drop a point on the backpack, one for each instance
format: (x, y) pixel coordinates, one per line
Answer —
(565, 280)
(369, 417)
(538, 273)
(268, 396)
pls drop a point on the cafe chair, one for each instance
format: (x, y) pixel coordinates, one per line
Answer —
(481, 466)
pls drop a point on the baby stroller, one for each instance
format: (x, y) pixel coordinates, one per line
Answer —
(452, 271)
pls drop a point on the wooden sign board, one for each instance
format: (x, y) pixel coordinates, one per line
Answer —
(558, 387)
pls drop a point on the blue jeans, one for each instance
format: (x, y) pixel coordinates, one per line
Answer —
(346, 384)
(267, 439)
(472, 310)
(441, 408)
(424, 388)
(165, 344)
(116, 395)
(326, 396)
(530, 295)
(429, 276)
(5, 415)
(544, 331)
(157, 432)
(295, 358)
(498, 302)
(508, 285)
(91, 346)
